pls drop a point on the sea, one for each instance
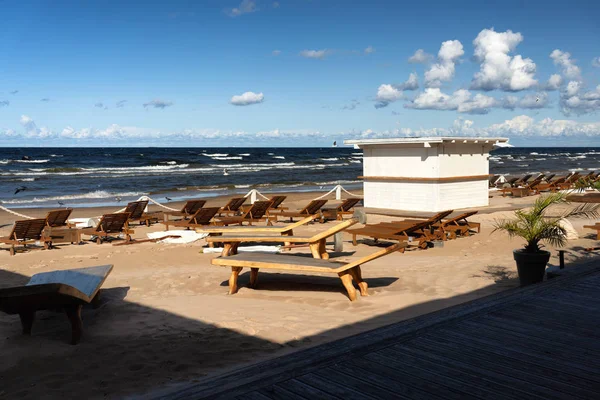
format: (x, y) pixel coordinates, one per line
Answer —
(88, 177)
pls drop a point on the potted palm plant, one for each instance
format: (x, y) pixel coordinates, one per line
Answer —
(536, 226)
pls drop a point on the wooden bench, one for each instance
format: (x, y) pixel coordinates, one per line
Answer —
(596, 228)
(68, 289)
(347, 272)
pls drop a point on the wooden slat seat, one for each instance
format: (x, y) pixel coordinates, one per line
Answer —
(284, 229)
(58, 218)
(25, 232)
(68, 289)
(311, 208)
(203, 216)
(346, 271)
(137, 212)
(233, 206)
(110, 224)
(316, 242)
(259, 211)
(189, 208)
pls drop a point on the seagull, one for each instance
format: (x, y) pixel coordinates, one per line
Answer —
(60, 203)
(118, 199)
(20, 189)
(25, 158)
(537, 99)
(225, 171)
(168, 198)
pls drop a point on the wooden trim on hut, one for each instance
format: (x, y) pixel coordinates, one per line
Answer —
(448, 179)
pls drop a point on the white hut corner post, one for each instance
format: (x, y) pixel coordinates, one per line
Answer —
(427, 174)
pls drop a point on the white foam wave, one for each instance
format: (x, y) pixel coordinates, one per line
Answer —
(98, 194)
(215, 154)
(227, 158)
(31, 161)
(279, 157)
(356, 161)
(244, 154)
(329, 159)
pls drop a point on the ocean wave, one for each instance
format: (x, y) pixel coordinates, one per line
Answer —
(356, 161)
(56, 155)
(357, 154)
(169, 162)
(98, 194)
(227, 158)
(31, 161)
(279, 157)
(577, 157)
(244, 154)
(215, 154)
(329, 159)
(241, 186)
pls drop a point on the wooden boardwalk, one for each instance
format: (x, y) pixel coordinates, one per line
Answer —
(539, 342)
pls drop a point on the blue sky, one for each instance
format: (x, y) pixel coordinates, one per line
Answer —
(297, 73)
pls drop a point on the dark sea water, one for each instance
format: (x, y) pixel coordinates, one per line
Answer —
(98, 176)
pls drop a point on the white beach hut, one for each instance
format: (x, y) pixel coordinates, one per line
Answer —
(426, 173)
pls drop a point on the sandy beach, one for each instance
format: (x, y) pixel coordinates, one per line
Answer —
(165, 316)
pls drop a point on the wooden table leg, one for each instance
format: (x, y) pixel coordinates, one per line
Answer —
(315, 250)
(357, 276)
(74, 315)
(253, 277)
(347, 282)
(235, 272)
(27, 318)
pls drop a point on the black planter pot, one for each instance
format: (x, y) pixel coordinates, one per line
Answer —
(531, 265)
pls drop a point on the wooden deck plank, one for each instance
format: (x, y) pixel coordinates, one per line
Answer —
(422, 368)
(345, 389)
(527, 352)
(279, 392)
(304, 390)
(400, 381)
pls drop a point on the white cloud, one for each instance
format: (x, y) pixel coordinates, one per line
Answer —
(369, 50)
(443, 69)
(412, 83)
(276, 52)
(498, 69)
(574, 99)
(317, 54)
(566, 64)
(247, 98)
(352, 105)
(420, 57)
(387, 94)
(461, 101)
(596, 62)
(157, 103)
(32, 130)
(245, 7)
(4, 103)
(554, 82)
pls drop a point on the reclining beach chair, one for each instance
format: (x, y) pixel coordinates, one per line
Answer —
(312, 208)
(552, 186)
(136, 210)
(69, 290)
(189, 208)
(59, 218)
(25, 232)
(316, 242)
(459, 225)
(202, 217)
(259, 211)
(347, 207)
(525, 190)
(420, 232)
(233, 206)
(109, 224)
(347, 272)
(276, 202)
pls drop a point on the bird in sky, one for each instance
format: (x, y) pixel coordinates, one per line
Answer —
(20, 189)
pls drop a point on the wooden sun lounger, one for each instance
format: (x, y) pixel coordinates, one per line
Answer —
(437, 228)
(136, 210)
(58, 218)
(69, 289)
(312, 208)
(233, 206)
(316, 242)
(189, 208)
(202, 217)
(259, 211)
(109, 224)
(346, 208)
(550, 186)
(347, 272)
(284, 229)
(525, 190)
(25, 232)
(276, 202)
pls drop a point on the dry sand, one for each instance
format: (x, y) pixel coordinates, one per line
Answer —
(165, 316)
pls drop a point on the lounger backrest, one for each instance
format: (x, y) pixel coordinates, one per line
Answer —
(334, 229)
(512, 180)
(373, 256)
(191, 206)
(58, 217)
(573, 177)
(258, 209)
(28, 229)
(313, 207)
(235, 204)
(549, 177)
(204, 215)
(112, 223)
(348, 204)
(439, 216)
(525, 178)
(559, 181)
(534, 182)
(277, 200)
(455, 220)
(136, 208)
